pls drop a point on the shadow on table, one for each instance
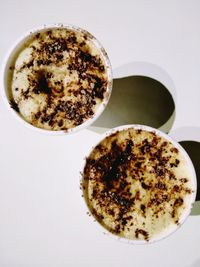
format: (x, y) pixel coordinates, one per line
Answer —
(189, 139)
(137, 100)
(143, 93)
(193, 150)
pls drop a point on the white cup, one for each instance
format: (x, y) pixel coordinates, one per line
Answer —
(9, 61)
(193, 182)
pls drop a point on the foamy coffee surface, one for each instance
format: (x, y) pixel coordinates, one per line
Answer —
(59, 79)
(137, 184)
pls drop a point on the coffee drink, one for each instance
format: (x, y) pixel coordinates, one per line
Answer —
(138, 184)
(60, 78)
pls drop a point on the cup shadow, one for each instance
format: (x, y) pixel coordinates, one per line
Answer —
(142, 97)
(193, 150)
(189, 139)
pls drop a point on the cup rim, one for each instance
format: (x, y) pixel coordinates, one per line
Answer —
(183, 217)
(19, 42)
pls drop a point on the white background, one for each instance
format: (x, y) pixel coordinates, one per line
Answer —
(43, 219)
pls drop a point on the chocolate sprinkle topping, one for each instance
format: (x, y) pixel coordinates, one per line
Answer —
(130, 173)
(14, 105)
(67, 80)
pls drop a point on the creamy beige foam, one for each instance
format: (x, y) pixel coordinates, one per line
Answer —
(59, 79)
(137, 184)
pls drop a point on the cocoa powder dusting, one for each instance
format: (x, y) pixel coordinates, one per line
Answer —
(119, 173)
(68, 97)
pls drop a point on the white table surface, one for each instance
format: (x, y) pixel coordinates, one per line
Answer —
(43, 220)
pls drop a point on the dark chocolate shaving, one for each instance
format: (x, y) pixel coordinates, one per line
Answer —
(143, 233)
(14, 105)
(42, 85)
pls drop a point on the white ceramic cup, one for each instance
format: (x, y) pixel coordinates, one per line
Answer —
(9, 61)
(168, 231)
